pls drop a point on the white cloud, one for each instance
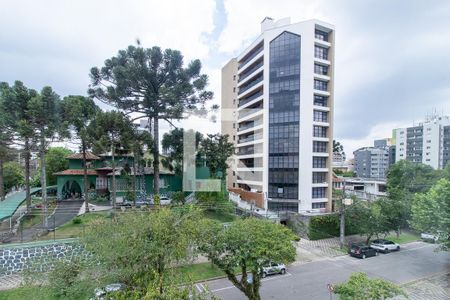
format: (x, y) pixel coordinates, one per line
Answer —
(244, 18)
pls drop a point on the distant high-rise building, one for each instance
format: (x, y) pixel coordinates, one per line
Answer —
(372, 162)
(427, 142)
(277, 102)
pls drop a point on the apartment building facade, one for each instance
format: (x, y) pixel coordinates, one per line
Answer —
(427, 142)
(372, 162)
(277, 105)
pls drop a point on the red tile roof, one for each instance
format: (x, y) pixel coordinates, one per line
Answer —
(89, 156)
(75, 172)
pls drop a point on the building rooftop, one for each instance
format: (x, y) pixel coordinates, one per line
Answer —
(89, 156)
(76, 172)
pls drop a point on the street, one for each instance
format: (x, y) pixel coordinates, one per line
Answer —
(415, 261)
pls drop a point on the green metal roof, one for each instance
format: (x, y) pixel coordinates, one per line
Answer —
(9, 206)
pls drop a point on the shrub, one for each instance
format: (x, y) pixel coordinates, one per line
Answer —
(327, 226)
(77, 221)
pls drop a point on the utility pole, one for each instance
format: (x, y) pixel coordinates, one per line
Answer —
(345, 202)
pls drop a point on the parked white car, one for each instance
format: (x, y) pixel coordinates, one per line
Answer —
(384, 245)
(273, 268)
(110, 288)
(429, 237)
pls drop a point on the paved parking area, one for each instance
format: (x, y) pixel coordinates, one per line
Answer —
(416, 265)
(434, 288)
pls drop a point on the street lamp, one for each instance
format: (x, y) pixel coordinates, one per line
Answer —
(345, 202)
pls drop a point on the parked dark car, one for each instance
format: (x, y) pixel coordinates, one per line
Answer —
(362, 251)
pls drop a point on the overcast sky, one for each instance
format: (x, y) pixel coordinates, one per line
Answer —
(392, 56)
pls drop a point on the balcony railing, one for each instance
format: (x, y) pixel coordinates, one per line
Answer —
(250, 125)
(249, 71)
(248, 99)
(250, 138)
(249, 111)
(246, 151)
(251, 56)
(251, 84)
(250, 176)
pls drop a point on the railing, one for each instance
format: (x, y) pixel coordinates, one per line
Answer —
(250, 176)
(248, 99)
(251, 84)
(245, 152)
(251, 56)
(250, 125)
(250, 111)
(249, 71)
(250, 138)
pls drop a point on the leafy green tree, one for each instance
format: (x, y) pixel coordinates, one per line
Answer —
(216, 149)
(338, 148)
(56, 161)
(154, 84)
(18, 100)
(78, 112)
(44, 112)
(246, 246)
(110, 131)
(172, 145)
(368, 218)
(361, 287)
(6, 132)
(404, 180)
(431, 212)
(13, 175)
(146, 245)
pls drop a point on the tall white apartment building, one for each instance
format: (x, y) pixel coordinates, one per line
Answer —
(277, 105)
(427, 143)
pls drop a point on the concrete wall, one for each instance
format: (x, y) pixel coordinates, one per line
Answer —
(16, 258)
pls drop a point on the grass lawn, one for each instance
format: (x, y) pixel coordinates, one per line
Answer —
(71, 230)
(220, 216)
(405, 237)
(37, 293)
(198, 272)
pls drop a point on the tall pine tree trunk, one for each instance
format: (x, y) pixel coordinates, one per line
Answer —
(134, 179)
(2, 186)
(113, 177)
(27, 174)
(85, 177)
(44, 181)
(156, 157)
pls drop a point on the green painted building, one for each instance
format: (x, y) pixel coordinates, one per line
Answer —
(70, 182)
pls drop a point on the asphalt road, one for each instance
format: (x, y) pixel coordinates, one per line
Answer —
(309, 281)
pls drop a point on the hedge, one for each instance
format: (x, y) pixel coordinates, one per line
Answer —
(327, 226)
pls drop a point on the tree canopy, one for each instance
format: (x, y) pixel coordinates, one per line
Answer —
(431, 212)
(146, 246)
(172, 145)
(56, 161)
(360, 286)
(216, 149)
(153, 83)
(246, 246)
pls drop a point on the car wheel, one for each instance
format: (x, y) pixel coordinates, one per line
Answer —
(363, 256)
(283, 271)
(398, 248)
(264, 275)
(386, 250)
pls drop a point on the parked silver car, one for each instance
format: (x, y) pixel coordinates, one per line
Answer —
(273, 268)
(384, 245)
